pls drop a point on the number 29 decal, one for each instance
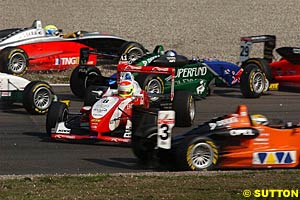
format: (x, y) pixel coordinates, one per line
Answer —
(166, 121)
(245, 50)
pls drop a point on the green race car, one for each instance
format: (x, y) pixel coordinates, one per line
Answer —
(193, 75)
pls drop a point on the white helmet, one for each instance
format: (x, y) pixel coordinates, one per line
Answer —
(170, 53)
(125, 88)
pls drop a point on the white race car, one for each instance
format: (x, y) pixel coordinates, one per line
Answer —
(39, 48)
(36, 96)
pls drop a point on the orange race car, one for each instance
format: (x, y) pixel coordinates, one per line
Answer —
(236, 140)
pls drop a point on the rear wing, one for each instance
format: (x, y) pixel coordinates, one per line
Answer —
(86, 53)
(125, 67)
(246, 45)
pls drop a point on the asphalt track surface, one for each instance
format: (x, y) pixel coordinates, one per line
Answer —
(203, 28)
(26, 149)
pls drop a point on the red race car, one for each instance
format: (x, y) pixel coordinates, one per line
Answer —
(261, 74)
(236, 140)
(38, 48)
(106, 114)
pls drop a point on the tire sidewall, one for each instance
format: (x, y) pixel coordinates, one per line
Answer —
(246, 81)
(11, 56)
(145, 79)
(144, 147)
(183, 103)
(184, 154)
(30, 93)
(5, 57)
(129, 47)
(55, 115)
(79, 80)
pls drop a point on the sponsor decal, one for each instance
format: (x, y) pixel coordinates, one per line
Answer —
(31, 33)
(237, 132)
(274, 86)
(62, 129)
(191, 72)
(171, 59)
(67, 61)
(296, 50)
(5, 94)
(201, 88)
(272, 158)
(148, 60)
(223, 122)
(159, 69)
(103, 106)
(132, 67)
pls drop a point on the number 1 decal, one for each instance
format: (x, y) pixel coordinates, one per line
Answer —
(166, 121)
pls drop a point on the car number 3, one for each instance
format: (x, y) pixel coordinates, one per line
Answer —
(166, 121)
(165, 132)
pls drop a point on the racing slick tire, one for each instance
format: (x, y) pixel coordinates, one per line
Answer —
(13, 61)
(197, 154)
(58, 112)
(90, 98)
(144, 147)
(264, 66)
(152, 84)
(132, 50)
(185, 108)
(37, 97)
(261, 64)
(252, 82)
(144, 133)
(82, 77)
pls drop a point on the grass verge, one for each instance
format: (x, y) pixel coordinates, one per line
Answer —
(177, 186)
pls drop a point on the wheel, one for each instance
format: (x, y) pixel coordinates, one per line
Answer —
(132, 50)
(185, 108)
(144, 147)
(252, 82)
(152, 84)
(58, 112)
(197, 154)
(37, 97)
(90, 97)
(14, 61)
(82, 77)
(261, 64)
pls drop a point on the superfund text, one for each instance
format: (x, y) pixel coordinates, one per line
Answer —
(191, 72)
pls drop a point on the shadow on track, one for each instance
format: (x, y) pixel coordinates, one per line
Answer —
(45, 138)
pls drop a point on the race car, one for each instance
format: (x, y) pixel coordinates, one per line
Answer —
(38, 48)
(237, 140)
(194, 75)
(261, 74)
(106, 114)
(36, 96)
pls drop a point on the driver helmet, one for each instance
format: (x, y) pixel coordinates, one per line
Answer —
(259, 119)
(127, 76)
(170, 53)
(125, 88)
(51, 30)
